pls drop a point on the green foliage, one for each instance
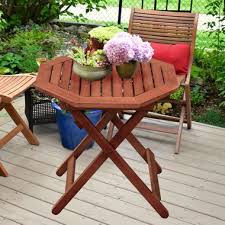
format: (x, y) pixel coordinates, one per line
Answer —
(29, 55)
(212, 116)
(25, 47)
(95, 59)
(215, 59)
(3, 23)
(10, 61)
(32, 37)
(216, 9)
(4, 70)
(178, 94)
(197, 96)
(22, 11)
(209, 68)
(103, 34)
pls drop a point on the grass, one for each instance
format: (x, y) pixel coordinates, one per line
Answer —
(198, 6)
(203, 40)
(213, 117)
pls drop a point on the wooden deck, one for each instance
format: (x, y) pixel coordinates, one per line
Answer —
(192, 183)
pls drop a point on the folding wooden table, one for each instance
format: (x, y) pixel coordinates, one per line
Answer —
(152, 81)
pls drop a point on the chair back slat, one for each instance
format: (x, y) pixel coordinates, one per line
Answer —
(164, 27)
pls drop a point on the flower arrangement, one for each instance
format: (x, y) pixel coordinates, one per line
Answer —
(90, 65)
(88, 58)
(125, 50)
(125, 47)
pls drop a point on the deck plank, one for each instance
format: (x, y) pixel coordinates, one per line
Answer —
(126, 184)
(192, 183)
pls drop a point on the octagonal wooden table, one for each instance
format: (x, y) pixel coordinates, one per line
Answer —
(152, 82)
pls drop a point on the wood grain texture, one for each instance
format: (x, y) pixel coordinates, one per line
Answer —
(10, 88)
(167, 28)
(110, 92)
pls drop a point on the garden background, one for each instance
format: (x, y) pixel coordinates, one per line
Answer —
(28, 33)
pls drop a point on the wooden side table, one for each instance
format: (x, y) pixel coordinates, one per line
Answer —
(112, 95)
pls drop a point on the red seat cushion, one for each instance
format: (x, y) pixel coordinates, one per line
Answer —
(176, 54)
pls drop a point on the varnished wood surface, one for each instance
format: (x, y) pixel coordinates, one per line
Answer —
(10, 87)
(13, 85)
(163, 27)
(168, 28)
(151, 82)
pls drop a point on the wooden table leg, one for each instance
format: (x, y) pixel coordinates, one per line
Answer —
(86, 141)
(109, 150)
(135, 143)
(3, 171)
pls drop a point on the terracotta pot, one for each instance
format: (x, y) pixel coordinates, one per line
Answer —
(127, 70)
(90, 72)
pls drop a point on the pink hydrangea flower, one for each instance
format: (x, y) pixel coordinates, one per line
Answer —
(125, 47)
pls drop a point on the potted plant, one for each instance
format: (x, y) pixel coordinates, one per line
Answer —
(125, 50)
(100, 35)
(90, 65)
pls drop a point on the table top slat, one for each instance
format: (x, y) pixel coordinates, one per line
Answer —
(157, 74)
(85, 89)
(75, 84)
(96, 88)
(66, 74)
(128, 88)
(107, 86)
(147, 76)
(138, 81)
(167, 71)
(117, 84)
(46, 72)
(56, 73)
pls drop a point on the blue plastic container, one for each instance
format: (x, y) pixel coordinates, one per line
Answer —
(71, 135)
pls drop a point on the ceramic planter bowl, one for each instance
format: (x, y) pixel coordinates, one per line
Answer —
(91, 73)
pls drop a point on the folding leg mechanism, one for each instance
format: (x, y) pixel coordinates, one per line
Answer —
(109, 151)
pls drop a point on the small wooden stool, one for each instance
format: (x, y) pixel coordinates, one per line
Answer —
(112, 95)
(10, 87)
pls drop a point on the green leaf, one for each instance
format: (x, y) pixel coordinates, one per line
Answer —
(4, 70)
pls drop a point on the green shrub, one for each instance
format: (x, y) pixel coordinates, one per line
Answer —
(10, 63)
(25, 47)
(212, 116)
(216, 57)
(197, 96)
(42, 11)
(32, 37)
(178, 94)
(3, 23)
(29, 55)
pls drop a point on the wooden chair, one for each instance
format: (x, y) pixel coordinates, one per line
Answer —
(10, 87)
(168, 28)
